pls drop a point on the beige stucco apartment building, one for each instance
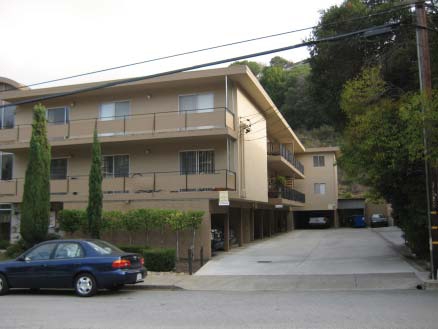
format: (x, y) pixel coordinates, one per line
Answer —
(171, 142)
(320, 185)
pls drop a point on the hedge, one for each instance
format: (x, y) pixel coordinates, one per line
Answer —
(133, 248)
(160, 259)
(4, 244)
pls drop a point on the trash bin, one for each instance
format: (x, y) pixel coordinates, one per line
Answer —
(359, 221)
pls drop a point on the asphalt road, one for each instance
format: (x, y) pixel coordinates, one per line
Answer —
(193, 309)
(312, 252)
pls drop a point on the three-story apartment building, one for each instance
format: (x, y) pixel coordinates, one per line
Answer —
(173, 142)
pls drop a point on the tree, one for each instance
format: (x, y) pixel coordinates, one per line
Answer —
(383, 149)
(95, 196)
(176, 222)
(193, 220)
(35, 208)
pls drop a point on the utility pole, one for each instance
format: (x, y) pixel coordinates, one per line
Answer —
(430, 173)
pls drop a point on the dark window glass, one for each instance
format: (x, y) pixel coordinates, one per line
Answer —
(318, 161)
(58, 169)
(7, 117)
(7, 163)
(116, 166)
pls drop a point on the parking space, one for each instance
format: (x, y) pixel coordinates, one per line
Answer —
(313, 252)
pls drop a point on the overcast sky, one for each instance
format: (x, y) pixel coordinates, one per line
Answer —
(48, 39)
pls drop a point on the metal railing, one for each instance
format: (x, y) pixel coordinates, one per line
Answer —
(287, 193)
(280, 149)
(150, 182)
(134, 124)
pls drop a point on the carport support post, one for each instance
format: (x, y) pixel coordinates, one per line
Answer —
(262, 224)
(227, 230)
(270, 221)
(251, 223)
(242, 213)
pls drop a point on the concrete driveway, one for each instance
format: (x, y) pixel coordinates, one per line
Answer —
(312, 252)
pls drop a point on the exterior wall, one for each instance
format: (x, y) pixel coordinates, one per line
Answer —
(148, 101)
(253, 153)
(326, 174)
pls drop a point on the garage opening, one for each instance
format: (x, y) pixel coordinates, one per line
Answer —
(301, 218)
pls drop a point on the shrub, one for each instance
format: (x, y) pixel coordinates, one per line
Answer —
(133, 248)
(16, 249)
(160, 259)
(4, 244)
(72, 221)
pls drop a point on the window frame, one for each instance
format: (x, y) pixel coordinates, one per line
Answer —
(318, 191)
(2, 115)
(66, 168)
(1, 166)
(66, 115)
(39, 246)
(319, 163)
(197, 162)
(206, 110)
(115, 117)
(113, 156)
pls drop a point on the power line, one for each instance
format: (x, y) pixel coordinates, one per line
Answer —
(380, 29)
(395, 8)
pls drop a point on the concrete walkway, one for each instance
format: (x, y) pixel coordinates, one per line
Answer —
(337, 259)
(312, 252)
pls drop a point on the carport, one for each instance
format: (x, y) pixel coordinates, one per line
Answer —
(350, 207)
(301, 218)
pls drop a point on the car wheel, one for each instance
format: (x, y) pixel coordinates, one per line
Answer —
(4, 287)
(85, 285)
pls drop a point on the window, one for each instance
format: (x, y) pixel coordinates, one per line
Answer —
(6, 165)
(114, 110)
(7, 117)
(58, 169)
(319, 188)
(42, 252)
(198, 102)
(318, 161)
(58, 115)
(196, 162)
(115, 166)
(68, 250)
(103, 248)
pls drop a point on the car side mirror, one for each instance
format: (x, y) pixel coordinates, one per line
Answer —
(20, 259)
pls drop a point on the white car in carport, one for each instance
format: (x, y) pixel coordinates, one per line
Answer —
(321, 222)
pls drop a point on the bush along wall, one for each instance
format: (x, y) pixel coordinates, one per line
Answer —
(136, 221)
(160, 259)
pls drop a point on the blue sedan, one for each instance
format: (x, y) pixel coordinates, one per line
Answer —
(84, 265)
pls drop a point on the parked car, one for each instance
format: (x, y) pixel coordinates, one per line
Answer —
(84, 265)
(378, 220)
(217, 239)
(321, 222)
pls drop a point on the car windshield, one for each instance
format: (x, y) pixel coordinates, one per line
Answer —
(377, 216)
(104, 248)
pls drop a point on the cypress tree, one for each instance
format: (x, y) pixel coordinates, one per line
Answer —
(94, 209)
(35, 212)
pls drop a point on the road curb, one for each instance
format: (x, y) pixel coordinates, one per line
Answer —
(153, 287)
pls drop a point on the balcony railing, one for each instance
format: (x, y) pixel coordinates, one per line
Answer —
(152, 182)
(136, 124)
(287, 193)
(280, 149)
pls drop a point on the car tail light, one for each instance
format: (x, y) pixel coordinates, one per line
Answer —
(121, 263)
(141, 261)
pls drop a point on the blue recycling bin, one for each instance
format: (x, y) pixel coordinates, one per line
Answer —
(359, 221)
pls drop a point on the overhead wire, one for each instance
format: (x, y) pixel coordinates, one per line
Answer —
(394, 8)
(104, 85)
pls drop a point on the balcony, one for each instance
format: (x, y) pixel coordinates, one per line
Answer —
(286, 194)
(283, 161)
(136, 186)
(136, 126)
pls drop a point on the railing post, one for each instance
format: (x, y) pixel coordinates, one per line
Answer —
(124, 125)
(153, 123)
(185, 120)
(190, 260)
(154, 183)
(68, 129)
(16, 186)
(18, 133)
(201, 256)
(124, 184)
(68, 185)
(187, 181)
(226, 179)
